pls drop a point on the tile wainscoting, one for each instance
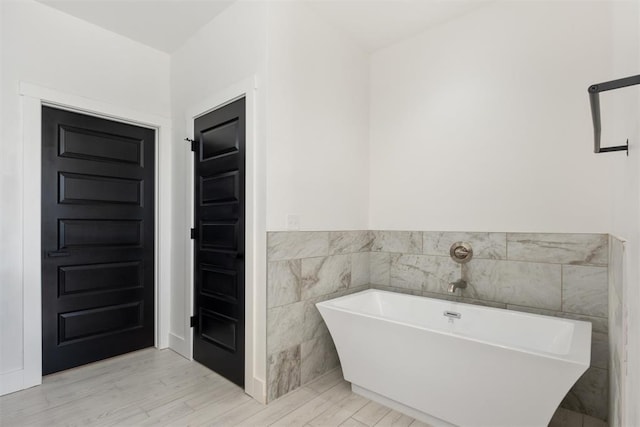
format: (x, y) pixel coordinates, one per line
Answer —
(305, 268)
(616, 340)
(562, 275)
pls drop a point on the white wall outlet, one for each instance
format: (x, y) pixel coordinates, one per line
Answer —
(293, 222)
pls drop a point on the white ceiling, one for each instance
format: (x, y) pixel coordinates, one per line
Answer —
(162, 24)
(166, 24)
(380, 23)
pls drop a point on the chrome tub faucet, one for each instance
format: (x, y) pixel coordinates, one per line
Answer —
(458, 284)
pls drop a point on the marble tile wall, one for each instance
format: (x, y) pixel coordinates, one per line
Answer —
(562, 275)
(616, 362)
(305, 268)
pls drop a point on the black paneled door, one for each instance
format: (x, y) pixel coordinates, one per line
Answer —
(219, 240)
(97, 239)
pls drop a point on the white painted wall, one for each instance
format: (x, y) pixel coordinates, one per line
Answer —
(317, 123)
(483, 123)
(312, 128)
(624, 107)
(228, 50)
(48, 48)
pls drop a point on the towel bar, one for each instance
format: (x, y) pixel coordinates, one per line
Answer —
(594, 98)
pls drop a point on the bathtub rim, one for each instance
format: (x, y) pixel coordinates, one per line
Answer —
(581, 332)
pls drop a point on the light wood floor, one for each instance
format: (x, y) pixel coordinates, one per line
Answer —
(159, 387)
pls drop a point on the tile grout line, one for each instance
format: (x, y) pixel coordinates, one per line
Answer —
(562, 283)
(562, 288)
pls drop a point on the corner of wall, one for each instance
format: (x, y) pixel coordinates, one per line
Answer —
(317, 122)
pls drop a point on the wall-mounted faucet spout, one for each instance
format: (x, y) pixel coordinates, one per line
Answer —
(458, 284)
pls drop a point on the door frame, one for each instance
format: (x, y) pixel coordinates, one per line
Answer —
(33, 97)
(255, 234)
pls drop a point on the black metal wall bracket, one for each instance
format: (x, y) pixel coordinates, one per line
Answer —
(594, 98)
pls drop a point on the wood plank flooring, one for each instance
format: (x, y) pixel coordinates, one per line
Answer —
(159, 387)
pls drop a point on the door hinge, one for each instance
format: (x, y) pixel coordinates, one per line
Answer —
(192, 321)
(192, 233)
(194, 143)
(194, 146)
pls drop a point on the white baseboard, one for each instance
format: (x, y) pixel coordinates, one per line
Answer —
(13, 381)
(256, 389)
(179, 345)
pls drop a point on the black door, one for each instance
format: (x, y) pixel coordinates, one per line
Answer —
(219, 240)
(97, 239)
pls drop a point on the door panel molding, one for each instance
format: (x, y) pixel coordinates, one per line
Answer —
(70, 146)
(85, 189)
(92, 323)
(88, 327)
(99, 278)
(33, 97)
(104, 233)
(255, 233)
(220, 242)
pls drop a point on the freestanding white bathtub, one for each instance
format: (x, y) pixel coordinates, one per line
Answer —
(448, 363)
